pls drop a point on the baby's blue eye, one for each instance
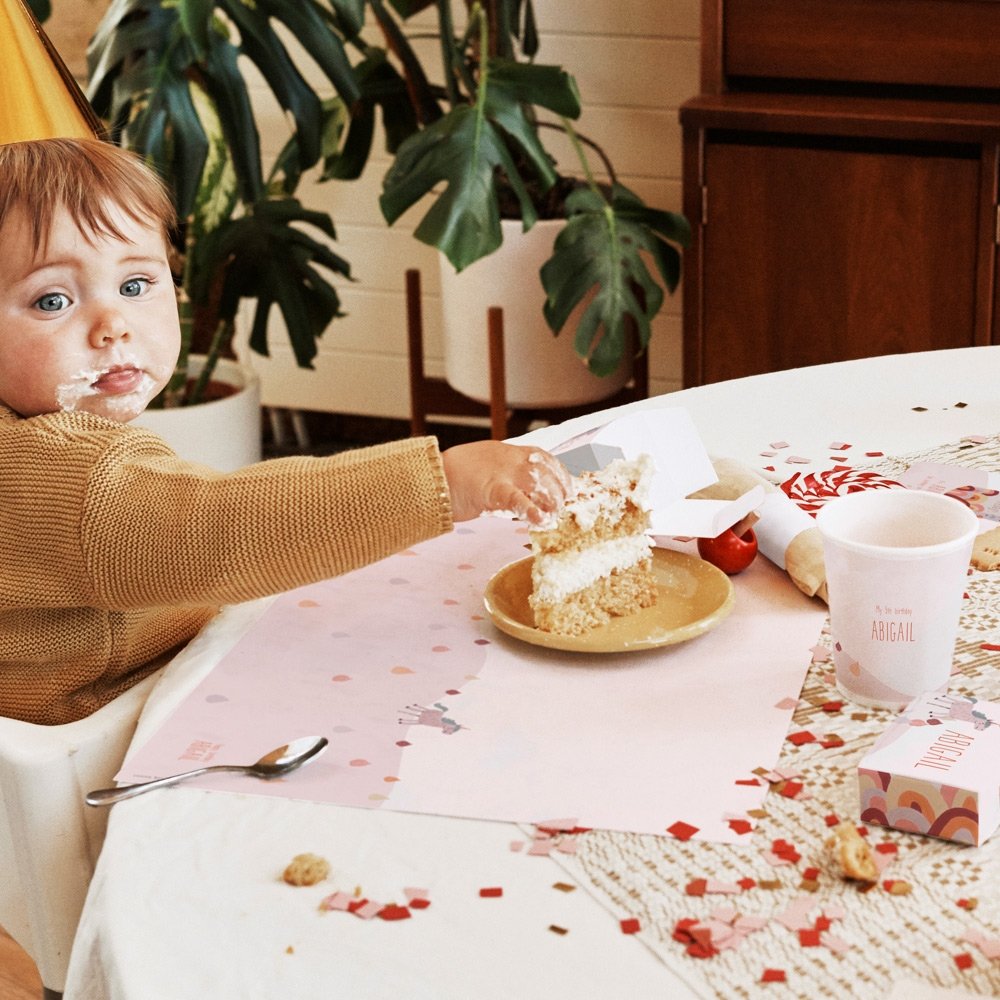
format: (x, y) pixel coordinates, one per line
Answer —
(52, 302)
(134, 287)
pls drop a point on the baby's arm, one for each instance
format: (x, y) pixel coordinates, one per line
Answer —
(491, 475)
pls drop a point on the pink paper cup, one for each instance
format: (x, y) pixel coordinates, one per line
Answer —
(896, 566)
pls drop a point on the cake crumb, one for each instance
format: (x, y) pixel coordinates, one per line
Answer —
(306, 869)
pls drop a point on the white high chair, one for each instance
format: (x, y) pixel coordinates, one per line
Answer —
(49, 839)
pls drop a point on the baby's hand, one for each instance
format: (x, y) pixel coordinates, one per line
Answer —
(491, 475)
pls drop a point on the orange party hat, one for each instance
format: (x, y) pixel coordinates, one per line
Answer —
(39, 99)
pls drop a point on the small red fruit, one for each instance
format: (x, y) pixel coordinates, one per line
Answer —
(732, 553)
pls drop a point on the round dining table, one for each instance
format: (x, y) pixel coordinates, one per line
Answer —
(187, 899)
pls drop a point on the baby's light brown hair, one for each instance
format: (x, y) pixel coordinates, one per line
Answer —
(85, 177)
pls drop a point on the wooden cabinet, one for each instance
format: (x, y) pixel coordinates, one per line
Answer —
(840, 175)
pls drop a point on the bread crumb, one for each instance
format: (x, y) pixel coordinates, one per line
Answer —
(852, 853)
(306, 869)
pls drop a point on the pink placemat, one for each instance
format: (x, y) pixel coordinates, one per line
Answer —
(429, 708)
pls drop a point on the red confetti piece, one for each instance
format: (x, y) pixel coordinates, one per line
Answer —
(696, 887)
(832, 819)
(822, 924)
(832, 706)
(773, 976)
(631, 925)
(419, 904)
(809, 937)
(811, 873)
(491, 892)
(682, 830)
(752, 782)
(874, 454)
(394, 912)
(801, 737)
(991, 646)
(887, 848)
(963, 960)
(740, 826)
(790, 789)
(746, 883)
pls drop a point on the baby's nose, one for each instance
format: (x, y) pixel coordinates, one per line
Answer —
(109, 326)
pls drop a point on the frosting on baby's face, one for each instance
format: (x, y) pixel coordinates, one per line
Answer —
(86, 324)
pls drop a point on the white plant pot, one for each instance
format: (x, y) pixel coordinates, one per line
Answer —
(222, 433)
(541, 370)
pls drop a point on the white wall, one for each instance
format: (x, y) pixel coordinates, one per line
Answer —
(636, 61)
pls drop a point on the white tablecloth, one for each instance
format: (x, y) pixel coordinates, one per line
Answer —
(187, 902)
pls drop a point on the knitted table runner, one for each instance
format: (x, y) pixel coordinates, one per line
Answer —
(795, 927)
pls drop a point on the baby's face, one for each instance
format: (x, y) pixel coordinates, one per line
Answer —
(85, 327)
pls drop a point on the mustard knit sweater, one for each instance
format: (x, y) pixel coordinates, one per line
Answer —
(115, 552)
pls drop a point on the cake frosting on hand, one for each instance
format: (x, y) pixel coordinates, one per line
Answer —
(594, 561)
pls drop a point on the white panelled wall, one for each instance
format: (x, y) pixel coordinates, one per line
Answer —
(635, 61)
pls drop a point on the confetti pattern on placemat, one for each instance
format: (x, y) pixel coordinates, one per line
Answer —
(917, 922)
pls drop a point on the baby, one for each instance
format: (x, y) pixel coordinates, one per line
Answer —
(115, 552)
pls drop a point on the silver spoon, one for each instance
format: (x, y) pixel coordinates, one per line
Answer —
(279, 761)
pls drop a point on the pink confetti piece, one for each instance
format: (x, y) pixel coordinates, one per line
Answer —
(976, 438)
(838, 446)
(368, 909)
(836, 944)
(558, 825)
(768, 454)
(727, 914)
(337, 901)
(787, 703)
(797, 460)
(778, 445)
(749, 922)
(415, 893)
(795, 916)
(713, 885)
(516, 845)
(540, 848)
(774, 859)
(990, 947)
(567, 845)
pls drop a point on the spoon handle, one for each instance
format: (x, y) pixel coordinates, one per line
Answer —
(108, 796)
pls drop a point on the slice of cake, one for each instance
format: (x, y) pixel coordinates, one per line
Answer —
(594, 562)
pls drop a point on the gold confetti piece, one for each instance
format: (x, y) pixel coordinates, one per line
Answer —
(556, 929)
(809, 884)
(900, 888)
(289, 950)
(772, 883)
(563, 886)
(757, 813)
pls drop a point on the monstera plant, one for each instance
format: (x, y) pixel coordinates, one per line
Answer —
(477, 150)
(165, 76)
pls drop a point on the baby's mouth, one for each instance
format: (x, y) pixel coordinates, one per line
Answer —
(118, 380)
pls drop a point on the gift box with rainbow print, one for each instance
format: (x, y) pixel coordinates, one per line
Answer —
(936, 770)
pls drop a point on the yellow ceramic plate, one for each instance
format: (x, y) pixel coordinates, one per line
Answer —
(693, 597)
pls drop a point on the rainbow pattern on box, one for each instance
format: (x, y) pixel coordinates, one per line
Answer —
(936, 770)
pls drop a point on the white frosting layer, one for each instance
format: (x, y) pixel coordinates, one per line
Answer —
(558, 574)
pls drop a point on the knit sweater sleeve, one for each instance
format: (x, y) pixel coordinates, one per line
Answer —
(159, 531)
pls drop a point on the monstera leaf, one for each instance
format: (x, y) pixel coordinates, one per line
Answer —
(146, 55)
(468, 148)
(599, 253)
(275, 262)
